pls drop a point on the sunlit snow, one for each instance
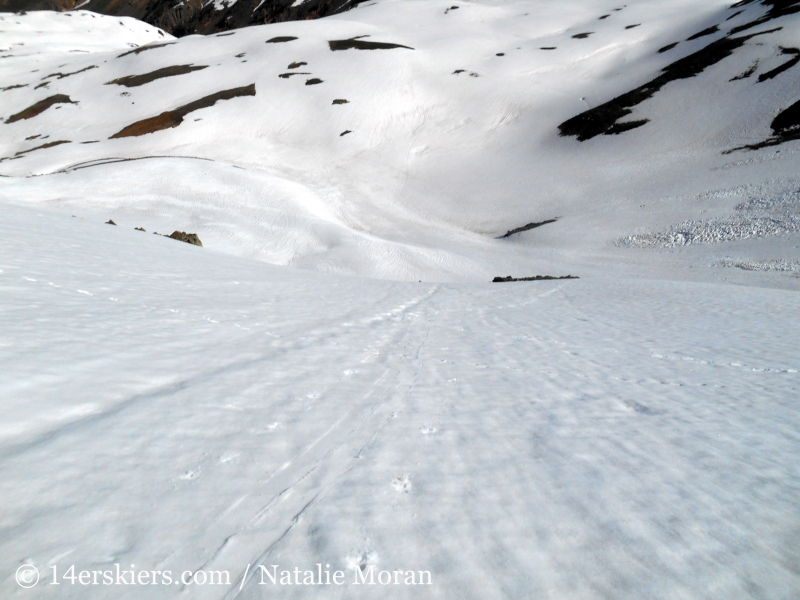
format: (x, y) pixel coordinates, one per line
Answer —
(332, 378)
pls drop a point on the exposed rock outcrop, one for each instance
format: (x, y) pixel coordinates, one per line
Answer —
(194, 16)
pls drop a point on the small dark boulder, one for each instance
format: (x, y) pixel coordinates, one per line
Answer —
(110, 222)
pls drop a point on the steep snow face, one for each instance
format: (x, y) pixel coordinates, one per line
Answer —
(422, 130)
(179, 409)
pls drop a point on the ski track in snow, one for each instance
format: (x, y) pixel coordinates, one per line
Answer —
(560, 436)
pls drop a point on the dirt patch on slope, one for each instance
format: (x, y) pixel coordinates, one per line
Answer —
(42, 147)
(63, 75)
(778, 8)
(785, 128)
(357, 43)
(534, 278)
(527, 227)
(784, 67)
(144, 48)
(40, 107)
(604, 119)
(137, 80)
(704, 33)
(173, 118)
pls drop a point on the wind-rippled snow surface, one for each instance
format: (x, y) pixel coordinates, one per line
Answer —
(576, 439)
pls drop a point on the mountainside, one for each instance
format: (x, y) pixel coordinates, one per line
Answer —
(193, 16)
(400, 139)
(503, 293)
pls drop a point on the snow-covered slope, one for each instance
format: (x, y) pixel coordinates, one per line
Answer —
(453, 137)
(168, 408)
(178, 409)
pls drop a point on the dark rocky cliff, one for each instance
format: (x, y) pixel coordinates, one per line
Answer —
(184, 17)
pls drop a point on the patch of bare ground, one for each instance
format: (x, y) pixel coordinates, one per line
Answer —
(281, 39)
(527, 227)
(785, 128)
(747, 73)
(173, 118)
(41, 106)
(534, 278)
(794, 52)
(287, 75)
(357, 43)
(137, 80)
(777, 9)
(604, 119)
(42, 147)
(13, 87)
(63, 75)
(144, 48)
(705, 32)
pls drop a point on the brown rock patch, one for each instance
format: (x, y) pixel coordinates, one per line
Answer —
(173, 118)
(38, 108)
(189, 238)
(137, 80)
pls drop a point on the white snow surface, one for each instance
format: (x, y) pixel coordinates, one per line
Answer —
(332, 379)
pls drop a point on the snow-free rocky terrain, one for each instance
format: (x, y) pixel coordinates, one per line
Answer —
(185, 17)
(332, 378)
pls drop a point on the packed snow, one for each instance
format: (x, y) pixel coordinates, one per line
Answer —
(332, 383)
